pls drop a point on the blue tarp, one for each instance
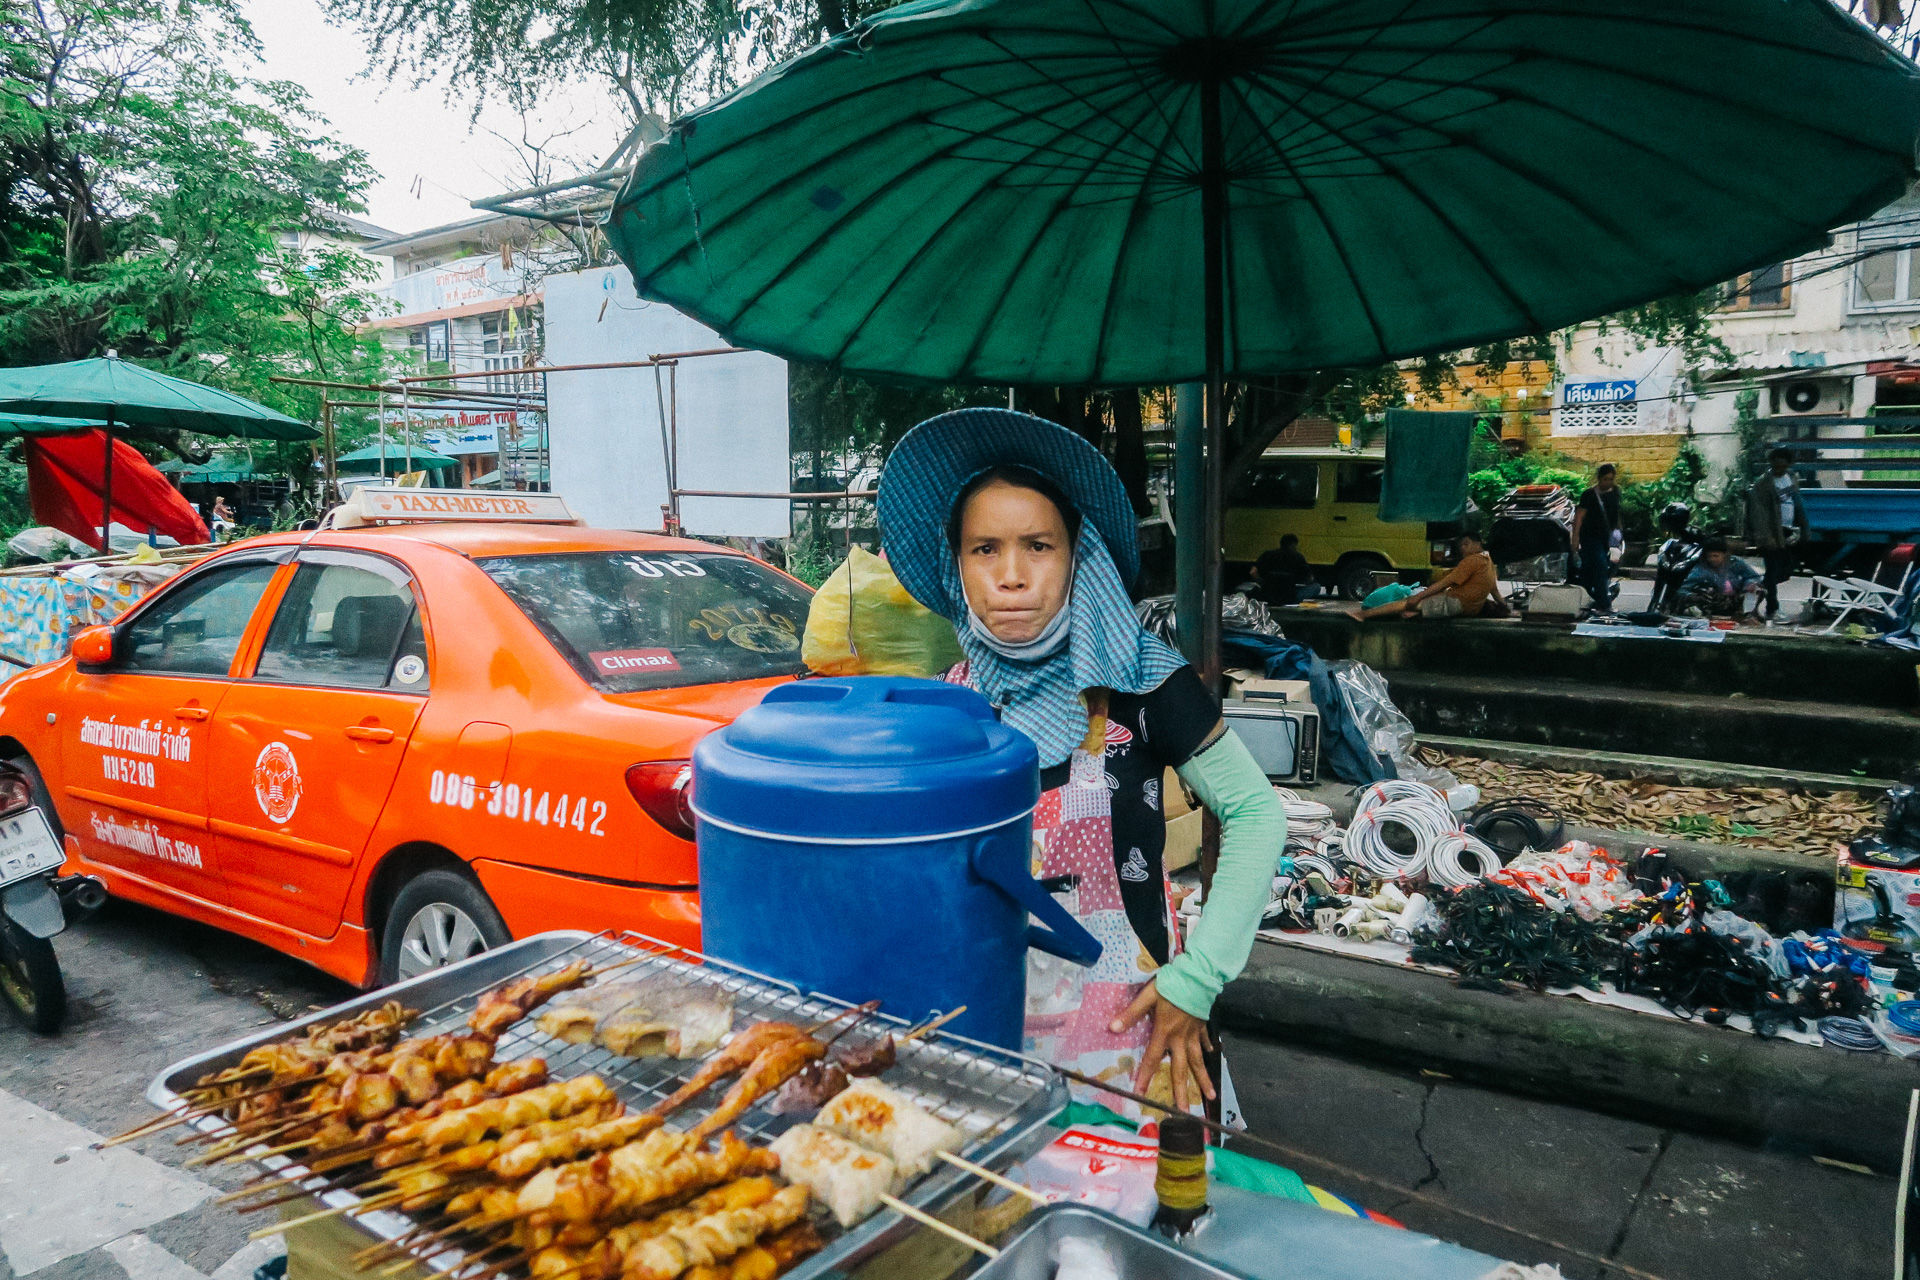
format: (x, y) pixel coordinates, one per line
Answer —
(1343, 748)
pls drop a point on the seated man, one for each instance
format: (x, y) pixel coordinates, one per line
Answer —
(1471, 590)
(1284, 575)
(1720, 584)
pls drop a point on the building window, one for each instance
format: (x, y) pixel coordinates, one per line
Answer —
(1764, 289)
(1890, 278)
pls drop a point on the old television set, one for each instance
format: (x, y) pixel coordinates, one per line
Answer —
(1283, 736)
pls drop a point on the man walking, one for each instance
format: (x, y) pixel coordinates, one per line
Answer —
(1596, 531)
(1774, 510)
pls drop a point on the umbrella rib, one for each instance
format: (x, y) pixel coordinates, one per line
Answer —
(1536, 179)
(793, 263)
(1638, 25)
(1339, 248)
(1050, 79)
(1412, 188)
(1139, 203)
(1026, 254)
(1092, 7)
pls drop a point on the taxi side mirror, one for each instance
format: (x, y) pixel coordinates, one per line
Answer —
(94, 646)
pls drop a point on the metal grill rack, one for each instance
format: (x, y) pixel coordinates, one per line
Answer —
(1000, 1100)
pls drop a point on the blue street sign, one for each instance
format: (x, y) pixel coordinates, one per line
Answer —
(1579, 393)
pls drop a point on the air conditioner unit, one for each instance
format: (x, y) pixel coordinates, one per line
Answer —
(1804, 397)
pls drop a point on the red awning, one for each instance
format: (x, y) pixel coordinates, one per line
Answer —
(64, 480)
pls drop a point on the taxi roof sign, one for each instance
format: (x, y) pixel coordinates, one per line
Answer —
(383, 504)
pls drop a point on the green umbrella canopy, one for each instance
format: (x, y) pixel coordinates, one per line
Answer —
(1015, 190)
(133, 396)
(228, 470)
(397, 460)
(30, 424)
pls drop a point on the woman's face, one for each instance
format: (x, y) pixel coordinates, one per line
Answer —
(1015, 560)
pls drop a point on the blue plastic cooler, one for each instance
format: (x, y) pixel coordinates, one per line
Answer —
(868, 838)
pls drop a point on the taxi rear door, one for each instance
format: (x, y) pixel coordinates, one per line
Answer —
(135, 736)
(305, 748)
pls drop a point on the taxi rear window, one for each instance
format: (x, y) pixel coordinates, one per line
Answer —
(635, 620)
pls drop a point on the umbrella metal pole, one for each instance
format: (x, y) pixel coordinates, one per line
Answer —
(106, 495)
(1200, 438)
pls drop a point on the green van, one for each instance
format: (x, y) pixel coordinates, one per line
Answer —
(1330, 497)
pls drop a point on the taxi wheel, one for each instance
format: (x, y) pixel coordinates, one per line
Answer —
(440, 918)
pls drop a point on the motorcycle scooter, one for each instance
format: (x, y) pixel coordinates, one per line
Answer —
(1677, 557)
(31, 905)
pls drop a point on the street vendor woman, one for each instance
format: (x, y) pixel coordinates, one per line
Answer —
(1020, 533)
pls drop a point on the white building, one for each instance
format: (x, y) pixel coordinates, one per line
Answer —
(1831, 334)
(467, 298)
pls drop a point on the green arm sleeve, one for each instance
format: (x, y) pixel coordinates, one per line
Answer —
(1253, 829)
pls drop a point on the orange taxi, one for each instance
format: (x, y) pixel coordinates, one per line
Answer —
(447, 720)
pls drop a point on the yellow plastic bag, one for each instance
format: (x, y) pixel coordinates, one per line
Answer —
(863, 623)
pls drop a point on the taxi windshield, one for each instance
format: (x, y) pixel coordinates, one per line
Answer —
(634, 620)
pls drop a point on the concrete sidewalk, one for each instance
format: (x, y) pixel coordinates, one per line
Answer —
(1669, 1202)
(1682, 1075)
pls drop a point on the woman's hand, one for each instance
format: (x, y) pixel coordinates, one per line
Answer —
(1178, 1036)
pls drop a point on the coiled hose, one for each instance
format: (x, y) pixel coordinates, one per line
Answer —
(1511, 827)
(1849, 1033)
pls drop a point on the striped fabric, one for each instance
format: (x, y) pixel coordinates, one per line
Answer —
(1106, 649)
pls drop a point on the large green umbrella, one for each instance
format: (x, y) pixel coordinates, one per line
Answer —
(1143, 191)
(117, 393)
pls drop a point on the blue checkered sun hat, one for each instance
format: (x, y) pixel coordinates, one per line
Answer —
(1106, 647)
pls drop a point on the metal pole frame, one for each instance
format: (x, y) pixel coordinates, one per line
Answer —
(106, 492)
(1200, 430)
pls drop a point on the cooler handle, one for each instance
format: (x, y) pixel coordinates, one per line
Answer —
(1004, 865)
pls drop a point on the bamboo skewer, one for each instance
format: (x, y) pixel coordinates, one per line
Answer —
(361, 1206)
(928, 1220)
(930, 1027)
(980, 1171)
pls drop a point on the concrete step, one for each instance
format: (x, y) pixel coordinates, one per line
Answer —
(1776, 733)
(1687, 1075)
(1773, 664)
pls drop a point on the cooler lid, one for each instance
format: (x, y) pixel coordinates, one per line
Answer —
(866, 757)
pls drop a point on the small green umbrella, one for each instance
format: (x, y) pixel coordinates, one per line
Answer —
(129, 395)
(384, 459)
(121, 394)
(33, 424)
(222, 470)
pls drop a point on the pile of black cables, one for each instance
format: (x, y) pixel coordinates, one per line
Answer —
(1492, 933)
(1511, 827)
(1694, 971)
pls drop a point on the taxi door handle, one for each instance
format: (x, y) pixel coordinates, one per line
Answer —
(367, 733)
(1341, 519)
(191, 713)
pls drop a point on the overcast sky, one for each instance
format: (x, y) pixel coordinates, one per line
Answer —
(431, 161)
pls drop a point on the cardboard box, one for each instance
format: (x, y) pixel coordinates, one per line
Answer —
(1244, 685)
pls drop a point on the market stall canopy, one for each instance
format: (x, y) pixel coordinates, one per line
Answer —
(1021, 191)
(130, 395)
(491, 480)
(214, 471)
(64, 484)
(32, 424)
(397, 459)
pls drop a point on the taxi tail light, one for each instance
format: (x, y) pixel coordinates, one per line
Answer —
(16, 792)
(664, 789)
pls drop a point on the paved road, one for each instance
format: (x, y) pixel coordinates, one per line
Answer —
(145, 990)
(149, 990)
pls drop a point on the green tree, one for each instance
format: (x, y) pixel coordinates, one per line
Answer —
(156, 204)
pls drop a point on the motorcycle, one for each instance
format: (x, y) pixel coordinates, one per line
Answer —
(1677, 557)
(31, 905)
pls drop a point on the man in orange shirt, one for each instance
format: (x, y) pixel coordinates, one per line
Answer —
(1464, 593)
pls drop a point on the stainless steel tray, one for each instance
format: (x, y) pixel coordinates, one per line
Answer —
(1002, 1101)
(1136, 1254)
